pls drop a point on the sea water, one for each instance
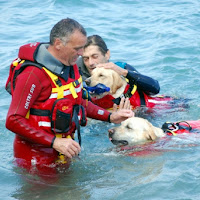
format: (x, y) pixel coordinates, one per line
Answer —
(160, 39)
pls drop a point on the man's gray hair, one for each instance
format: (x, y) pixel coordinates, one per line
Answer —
(63, 30)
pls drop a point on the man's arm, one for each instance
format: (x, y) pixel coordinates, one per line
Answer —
(117, 116)
(23, 98)
(144, 83)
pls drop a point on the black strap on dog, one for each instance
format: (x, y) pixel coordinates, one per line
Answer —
(142, 100)
(117, 100)
(129, 95)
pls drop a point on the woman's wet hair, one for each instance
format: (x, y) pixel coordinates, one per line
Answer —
(96, 40)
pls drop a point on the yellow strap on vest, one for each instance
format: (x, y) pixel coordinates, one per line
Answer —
(87, 95)
(27, 114)
(59, 135)
(134, 89)
(22, 61)
(60, 89)
(17, 62)
(172, 132)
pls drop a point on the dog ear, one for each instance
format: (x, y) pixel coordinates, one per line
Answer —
(150, 134)
(117, 82)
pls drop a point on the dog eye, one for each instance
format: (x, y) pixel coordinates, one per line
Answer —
(100, 75)
(128, 127)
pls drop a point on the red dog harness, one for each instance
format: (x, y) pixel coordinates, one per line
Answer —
(137, 99)
(181, 127)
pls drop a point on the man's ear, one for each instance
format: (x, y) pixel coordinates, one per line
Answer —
(107, 55)
(58, 44)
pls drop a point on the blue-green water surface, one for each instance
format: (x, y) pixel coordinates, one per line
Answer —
(160, 39)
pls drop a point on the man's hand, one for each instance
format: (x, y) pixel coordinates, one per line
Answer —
(67, 146)
(110, 65)
(121, 115)
(124, 104)
(123, 112)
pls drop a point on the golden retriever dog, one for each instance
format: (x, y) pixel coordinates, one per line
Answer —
(138, 137)
(110, 79)
(134, 130)
(119, 87)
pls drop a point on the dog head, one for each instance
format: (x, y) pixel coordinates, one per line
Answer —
(134, 130)
(108, 77)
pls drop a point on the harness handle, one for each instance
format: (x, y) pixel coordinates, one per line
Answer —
(172, 127)
(190, 128)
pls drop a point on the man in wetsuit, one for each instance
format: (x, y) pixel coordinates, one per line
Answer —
(96, 54)
(47, 98)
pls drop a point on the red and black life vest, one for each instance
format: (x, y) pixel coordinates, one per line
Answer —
(61, 114)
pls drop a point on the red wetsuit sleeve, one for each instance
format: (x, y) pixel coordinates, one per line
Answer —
(31, 77)
(96, 112)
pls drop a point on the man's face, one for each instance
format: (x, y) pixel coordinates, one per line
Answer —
(70, 52)
(93, 56)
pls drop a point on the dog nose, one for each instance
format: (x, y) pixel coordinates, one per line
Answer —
(88, 81)
(111, 132)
